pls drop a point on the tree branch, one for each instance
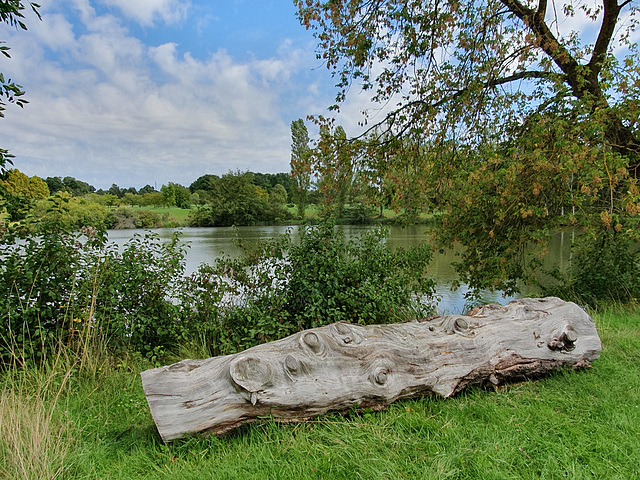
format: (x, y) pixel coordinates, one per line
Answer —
(421, 106)
(609, 21)
(549, 43)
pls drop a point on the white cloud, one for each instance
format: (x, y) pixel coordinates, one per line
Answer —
(146, 12)
(105, 107)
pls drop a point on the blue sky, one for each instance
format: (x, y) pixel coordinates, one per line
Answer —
(150, 91)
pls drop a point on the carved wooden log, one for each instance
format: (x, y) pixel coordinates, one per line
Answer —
(332, 368)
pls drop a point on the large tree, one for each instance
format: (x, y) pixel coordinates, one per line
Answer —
(519, 119)
(334, 164)
(457, 67)
(21, 192)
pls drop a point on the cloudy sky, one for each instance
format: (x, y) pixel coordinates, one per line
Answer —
(138, 92)
(152, 91)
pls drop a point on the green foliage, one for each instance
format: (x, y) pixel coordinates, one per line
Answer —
(127, 218)
(234, 199)
(70, 213)
(300, 164)
(359, 213)
(506, 155)
(19, 193)
(285, 287)
(37, 280)
(56, 284)
(604, 271)
(134, 299)
(335, 167)
(267, 181)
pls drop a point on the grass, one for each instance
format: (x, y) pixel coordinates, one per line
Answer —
(179, 214)
(576, 425)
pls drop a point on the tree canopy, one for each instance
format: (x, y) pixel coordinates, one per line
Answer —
(517, 123)
(460, 69)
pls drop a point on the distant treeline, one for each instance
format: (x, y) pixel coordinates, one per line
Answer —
(78, 188)
(235, 198)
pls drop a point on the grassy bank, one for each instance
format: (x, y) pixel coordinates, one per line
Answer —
(94, 423)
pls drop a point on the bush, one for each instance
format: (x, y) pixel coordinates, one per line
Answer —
(605, 269)
(63, 287)
(59, 285)
(283, 288)
(37, 280)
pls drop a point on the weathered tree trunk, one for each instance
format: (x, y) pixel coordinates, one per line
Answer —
(339, 365)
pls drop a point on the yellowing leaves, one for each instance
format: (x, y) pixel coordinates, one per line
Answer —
(537, 188)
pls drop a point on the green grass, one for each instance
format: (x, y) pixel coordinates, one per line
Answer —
(180, 214)
(583, 424)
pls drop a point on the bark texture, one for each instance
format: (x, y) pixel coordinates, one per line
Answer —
(332, 368)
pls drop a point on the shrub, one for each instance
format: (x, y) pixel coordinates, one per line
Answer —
(135, 294)
(58, 284)
(283, 287)
(62, 287)
(605, 269)
(37, 280)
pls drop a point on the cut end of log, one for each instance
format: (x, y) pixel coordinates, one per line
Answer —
(332, 368)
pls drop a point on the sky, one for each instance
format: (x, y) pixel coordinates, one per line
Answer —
(137, 92)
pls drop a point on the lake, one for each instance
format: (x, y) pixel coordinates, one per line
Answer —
(207, 244)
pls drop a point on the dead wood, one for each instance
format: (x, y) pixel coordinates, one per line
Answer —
(335, 367)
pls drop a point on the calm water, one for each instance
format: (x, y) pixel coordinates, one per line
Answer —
(207, 244)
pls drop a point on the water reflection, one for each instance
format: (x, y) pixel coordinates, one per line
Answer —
(207, 244)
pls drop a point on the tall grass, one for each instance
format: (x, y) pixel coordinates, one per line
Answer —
(36, 434)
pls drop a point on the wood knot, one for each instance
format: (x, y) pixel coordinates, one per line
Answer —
(345, 333)
(381, 377)
(292, 365)
(380, 371)
(461, 324)
(251, 373)
(312, 340)
(565, 341)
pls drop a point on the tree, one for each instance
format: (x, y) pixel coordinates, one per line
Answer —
(300, 164)
(115, 190)
(11, 13)
(55, 184)
(182, 196)
(168, 194)
(21, 193)
(206, 182)
(236, 200)
(146, 189)
(277, 202)
(17, 183)
(132, 199)
(492, 48)
(335, 168)
(520, 121)
(77, 188)
(153, 198)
